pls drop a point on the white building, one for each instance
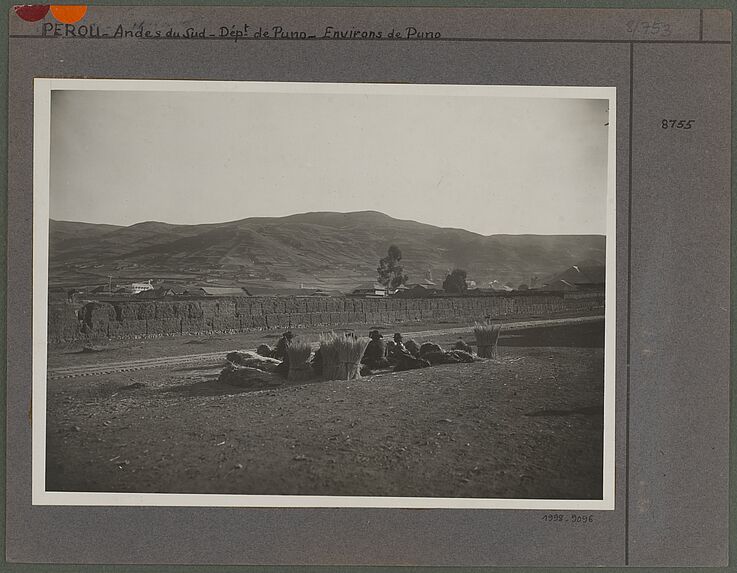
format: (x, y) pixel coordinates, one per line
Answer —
(141, 287)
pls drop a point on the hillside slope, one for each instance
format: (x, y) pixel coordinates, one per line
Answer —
(327, 250)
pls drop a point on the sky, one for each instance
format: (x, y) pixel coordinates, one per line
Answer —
(486, 164)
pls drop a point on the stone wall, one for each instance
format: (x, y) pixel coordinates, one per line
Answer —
(142, 319)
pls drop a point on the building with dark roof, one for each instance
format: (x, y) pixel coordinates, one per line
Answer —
(369, 289)
(219, 291)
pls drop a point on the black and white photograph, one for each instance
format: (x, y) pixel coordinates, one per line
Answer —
(323, 295)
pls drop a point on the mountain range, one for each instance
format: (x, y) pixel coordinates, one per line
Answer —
(317, 250)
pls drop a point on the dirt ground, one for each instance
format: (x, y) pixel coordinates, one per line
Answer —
(528, 425)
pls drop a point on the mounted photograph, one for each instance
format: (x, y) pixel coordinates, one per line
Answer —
(323, 295)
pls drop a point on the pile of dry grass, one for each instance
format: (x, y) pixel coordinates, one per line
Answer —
(298, 355)
(487, 336)
(264, 350)
(252, 360)
(247, 377)
(341, 356)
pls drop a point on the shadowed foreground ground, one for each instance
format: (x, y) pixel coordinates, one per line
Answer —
(526, 426)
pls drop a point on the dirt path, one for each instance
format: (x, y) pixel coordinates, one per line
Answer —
(217, 358)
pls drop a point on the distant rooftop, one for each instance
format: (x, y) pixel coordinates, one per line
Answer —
(223, 291)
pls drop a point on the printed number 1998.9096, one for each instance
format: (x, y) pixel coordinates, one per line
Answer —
(677, 123)
(569, 518)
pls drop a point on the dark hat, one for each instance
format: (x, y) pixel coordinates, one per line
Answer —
(288, 334)
(397, 335)
(375, 334)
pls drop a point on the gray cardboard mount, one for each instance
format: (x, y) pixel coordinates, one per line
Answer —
(673, 229)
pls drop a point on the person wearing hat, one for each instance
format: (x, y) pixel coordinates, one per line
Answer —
(280, 353)
(403, 358)
(280, 350)
(375, 355)
(398, 349)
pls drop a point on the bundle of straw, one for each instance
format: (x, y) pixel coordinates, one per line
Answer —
(298, 357)
(487, 336)
(341, 356)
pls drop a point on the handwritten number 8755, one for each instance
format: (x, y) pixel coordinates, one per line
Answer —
(677, 123)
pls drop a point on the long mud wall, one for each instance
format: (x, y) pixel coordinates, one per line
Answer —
(141, 319)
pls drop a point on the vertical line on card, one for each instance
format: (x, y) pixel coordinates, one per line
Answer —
(629, 315)
(701, 25)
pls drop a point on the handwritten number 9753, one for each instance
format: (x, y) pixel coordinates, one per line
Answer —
(677, 123)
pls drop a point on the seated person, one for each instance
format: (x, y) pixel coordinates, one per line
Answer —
(280, 350)
(412, 347)
(316, 362)
(403, 358)
(398, 348)
(375, 355)
(409, 362)
(463, 345)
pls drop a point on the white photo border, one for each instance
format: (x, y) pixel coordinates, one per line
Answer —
(41, 169)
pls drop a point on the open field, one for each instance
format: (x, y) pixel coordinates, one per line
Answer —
(526, 426)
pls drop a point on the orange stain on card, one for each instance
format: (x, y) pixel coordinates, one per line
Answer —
(68, 14)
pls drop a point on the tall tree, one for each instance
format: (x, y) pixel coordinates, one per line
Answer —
(389, 272)
(455, 282)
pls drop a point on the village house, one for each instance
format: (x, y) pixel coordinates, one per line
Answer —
(369, 289)
(135, 288)
(158, 292)
(498, 286)
(559, 285)
(420, 290)
(589, 275)
(218, 291)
